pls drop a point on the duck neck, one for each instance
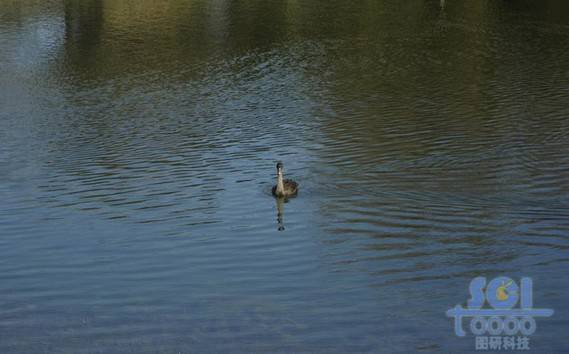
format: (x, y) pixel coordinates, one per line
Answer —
(280, 184)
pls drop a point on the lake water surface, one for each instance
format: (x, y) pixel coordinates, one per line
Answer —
(138, 141)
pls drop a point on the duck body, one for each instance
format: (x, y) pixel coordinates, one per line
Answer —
(290, 188)
(284, 187)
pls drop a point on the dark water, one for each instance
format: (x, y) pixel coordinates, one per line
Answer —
(137, 149)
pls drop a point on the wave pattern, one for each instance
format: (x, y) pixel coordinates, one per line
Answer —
(137, 155)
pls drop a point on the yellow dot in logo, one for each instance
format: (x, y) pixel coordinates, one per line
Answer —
(502, 291)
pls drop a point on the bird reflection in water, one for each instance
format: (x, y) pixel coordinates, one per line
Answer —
(280, 212)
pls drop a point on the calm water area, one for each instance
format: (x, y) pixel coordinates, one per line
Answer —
(138, 143)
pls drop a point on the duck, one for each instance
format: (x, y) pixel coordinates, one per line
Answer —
(284, 187)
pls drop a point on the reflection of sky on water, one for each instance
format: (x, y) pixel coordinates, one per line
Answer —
(37, 43)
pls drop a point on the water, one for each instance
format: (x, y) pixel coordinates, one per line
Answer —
(137, 149)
